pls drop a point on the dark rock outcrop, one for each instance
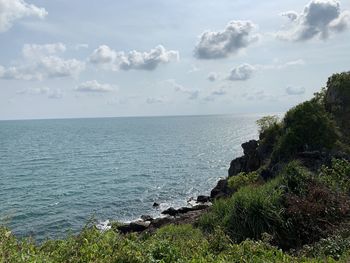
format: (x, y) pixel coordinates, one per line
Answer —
(170, 211)
(203, 199)
(251, 161)
(137, 226)
(220, 190)
(183, 210)
(146, 218)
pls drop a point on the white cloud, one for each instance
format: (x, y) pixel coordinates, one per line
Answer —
(33, 91)
(94, 86)
(134, 59)
(103, 55)
(236, 36)
(51, 93)
(81, 46)
(192, 93)
(42, 61)
(318, 19)
(281, 65)
(295, 90)
(12, 10)
(147, 60)
(34, 51)
(213, 76)
(241, 73)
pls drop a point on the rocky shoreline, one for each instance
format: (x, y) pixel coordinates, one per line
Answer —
(254, 157)
(250, 161)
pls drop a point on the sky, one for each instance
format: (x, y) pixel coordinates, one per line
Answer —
(76, 59)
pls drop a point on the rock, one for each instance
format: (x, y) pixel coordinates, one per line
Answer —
(203, 199)
(146, 218)
(220, 190)
(251, 161)
(237, 165)
(159, 222)
(137, 226)
(155, 204)
(170, 211)
(250, 147)
(184, 210)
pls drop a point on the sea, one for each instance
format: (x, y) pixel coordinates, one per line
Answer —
(58, 175)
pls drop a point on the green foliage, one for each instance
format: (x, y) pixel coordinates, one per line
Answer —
(243, 179)
(295, 178)
(267, 122)
(255, 211)
(305, 127)
(333, 246)
(336, 177)
(214, 219)
(341, 84)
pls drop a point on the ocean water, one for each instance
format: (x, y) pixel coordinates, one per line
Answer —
(55, 175)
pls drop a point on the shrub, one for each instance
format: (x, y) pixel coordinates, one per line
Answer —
(295, 178)
(267, 122)
(333, 246)
(314, 213)
(243, 179)
(305, 127)
(337, 176)
(215, 217)
(255, 211)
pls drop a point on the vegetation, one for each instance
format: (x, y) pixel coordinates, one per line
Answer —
(244, 179)
(306, 127)
(297, 215)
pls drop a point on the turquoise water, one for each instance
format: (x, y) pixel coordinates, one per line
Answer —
(56, 174)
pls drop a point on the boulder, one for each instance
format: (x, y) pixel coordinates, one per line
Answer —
(220, 190)
(237, 165)
(155, 204)
(170, 211)
(159, 222)
(203, 199)
(146, 218)
(250, 147)
(137, 226)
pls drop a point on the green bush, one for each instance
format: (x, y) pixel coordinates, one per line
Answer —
(337, 176)
(243, 179)
(295, 178)
(305, 127)
(215, 217)
(333, 246)
(255, 211)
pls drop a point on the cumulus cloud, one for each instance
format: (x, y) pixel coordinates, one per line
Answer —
(103, 55)
(147, 60)
(134, 59)
(213, 76)
(295, 90)
(319, 19)
(12, 10)
(94, 86)
(42, 61)
(236, 36)
(241, 73)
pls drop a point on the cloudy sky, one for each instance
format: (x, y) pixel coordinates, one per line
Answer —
(63, 58)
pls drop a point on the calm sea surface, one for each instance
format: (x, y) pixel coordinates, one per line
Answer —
(57, 174)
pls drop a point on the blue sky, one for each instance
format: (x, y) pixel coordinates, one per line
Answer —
(64, 59)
